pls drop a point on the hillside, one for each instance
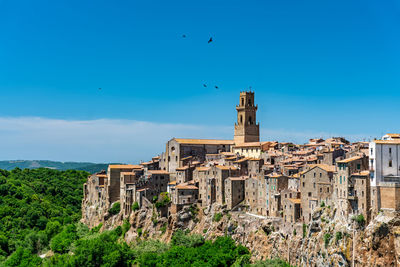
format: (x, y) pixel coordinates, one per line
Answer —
(57, 165)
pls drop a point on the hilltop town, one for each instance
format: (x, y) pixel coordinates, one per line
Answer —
(290, 186)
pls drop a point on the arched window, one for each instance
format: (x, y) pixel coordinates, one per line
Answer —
(242, 101)
(241, 119)
(250, 120)
(249, 102)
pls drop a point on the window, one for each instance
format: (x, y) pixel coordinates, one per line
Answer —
(241, 119)
(309, 194)
(314, 174)
(320, 190)
(372, 150)
(303, 184)
(390, 163)
(358, 166)
(340, 179)
(320, 175)
(314, 185)
(390, 150)
(327, 190)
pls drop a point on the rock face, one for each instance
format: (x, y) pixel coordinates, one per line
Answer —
(326, 241)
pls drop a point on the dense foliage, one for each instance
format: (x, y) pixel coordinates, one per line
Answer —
(108, 249)
(35, 205)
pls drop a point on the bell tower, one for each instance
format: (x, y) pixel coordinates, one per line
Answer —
(246, 127)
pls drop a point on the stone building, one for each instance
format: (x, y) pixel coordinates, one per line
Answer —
(291, 210)
(345, 195)
(179, 149)
(221, 173)
(210, 194)
(362, 191)
(274, 184)
(246, 128)
(113, 180)
(94, 202)
(330, 155)
(185, 194)
(252, 187)
(200, 177)
(184, 174)
(209, 177)
(251, 149)
(316, 186)
(234, 191)
(128, 190)
(254, 167)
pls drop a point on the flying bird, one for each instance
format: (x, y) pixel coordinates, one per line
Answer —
(99, 88)
(205, 85)
(209, 41)
(184, 36)
(216, 87)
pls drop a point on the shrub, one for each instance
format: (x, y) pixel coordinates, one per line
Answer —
(62, 241)
(139, 232)
(125, 227)
(359, 219)
(271, 263)
(135, 206)
(338, 236)
(163, 228)
(181, 239)
(217, 217)
(204, 231)
(304, 230)
(322, 204)
(96, 229)
(163, 200)
(294, 232)
(115, 209)
(327, 238)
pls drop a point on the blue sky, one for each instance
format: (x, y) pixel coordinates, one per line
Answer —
(318, 68)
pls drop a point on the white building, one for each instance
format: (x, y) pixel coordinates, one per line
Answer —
(384, 164)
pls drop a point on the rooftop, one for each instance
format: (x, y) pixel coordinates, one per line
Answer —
(387, 142)
(349, 159)
(124, 166)
(362, 173)
(241, 178)
(202, 169)
(204, 141)
(186, 187)
(182, 168)
(158, 172)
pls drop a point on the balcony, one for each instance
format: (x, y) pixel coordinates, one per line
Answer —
(352, 196)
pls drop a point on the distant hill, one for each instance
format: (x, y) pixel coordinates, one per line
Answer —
(57, 165)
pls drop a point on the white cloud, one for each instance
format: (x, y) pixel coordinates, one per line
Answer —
(108, 140)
